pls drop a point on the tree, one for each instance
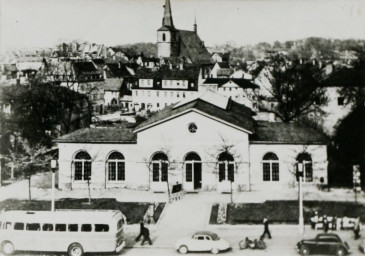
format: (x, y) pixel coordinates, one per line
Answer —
(293, 89)
(29, 159)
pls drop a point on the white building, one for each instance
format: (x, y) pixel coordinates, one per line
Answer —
(157, 90)
(203, 144)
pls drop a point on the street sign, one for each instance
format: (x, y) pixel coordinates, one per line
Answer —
(356, 178)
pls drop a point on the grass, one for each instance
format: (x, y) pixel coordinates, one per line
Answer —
(133, 211)
(286, 211)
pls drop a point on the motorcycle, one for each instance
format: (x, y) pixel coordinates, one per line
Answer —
(252, 244)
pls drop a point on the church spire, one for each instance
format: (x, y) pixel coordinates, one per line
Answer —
(195, 26)
(167, 17)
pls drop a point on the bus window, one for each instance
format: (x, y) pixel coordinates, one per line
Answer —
(33, 226)
(101, 228)
(47, 227)
(86, 227)
(18, 226)
(61, 227)
(120, 224)
(73, 227)
(7, 225)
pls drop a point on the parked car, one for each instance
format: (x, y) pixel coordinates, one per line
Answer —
(324, 244)
(202, 241)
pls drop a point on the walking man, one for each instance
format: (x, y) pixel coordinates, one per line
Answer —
(266, 229)
(357, 228)
(141, 223)
(325, 224)
(146, 236)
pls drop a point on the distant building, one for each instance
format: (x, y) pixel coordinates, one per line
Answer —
(172, 42)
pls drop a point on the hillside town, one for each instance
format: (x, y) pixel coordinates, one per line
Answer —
(236, 135)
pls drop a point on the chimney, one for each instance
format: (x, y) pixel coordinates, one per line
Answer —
(119, 64)
(170, 65)
(181, 67)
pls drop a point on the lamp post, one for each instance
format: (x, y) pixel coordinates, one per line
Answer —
(301, 218)
(53, 167)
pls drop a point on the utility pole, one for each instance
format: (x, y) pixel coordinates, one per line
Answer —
(53, 167)
(300, 175)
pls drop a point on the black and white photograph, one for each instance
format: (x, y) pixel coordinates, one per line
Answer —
(168, 127)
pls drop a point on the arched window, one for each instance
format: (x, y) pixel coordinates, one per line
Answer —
(226, 167)
(270, 167)
(82, 166)
(163, 37)
(116, 167)
(306, 160)
(160, 166)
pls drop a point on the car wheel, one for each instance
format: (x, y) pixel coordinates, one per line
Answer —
(304, 250)
(7, 248)
(183, 249)
(340, 252)
(75, 249)
(215, 250)
(242, 245)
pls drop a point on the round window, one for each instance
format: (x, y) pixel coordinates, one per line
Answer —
(192, 128)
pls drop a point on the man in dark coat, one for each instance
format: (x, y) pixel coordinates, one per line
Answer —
(325, 224)
(146, 236)
(140, 231)
(266, 229)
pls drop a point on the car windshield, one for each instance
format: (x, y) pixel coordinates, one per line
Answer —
(215, 237)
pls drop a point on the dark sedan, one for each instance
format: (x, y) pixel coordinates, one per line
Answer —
(324, 244)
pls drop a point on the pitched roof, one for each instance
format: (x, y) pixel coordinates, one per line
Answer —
(118, 70)
(192, 47)
(347, 77)
(241, 82)
(113, 84)
(235, 114)
(285, 133)
(100, 135)
(223, 64)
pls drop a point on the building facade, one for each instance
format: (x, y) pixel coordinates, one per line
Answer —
(209, 143)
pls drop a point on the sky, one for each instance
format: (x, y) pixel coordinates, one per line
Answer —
(44, 23)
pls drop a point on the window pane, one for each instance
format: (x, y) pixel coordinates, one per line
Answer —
(73, 227)
(86, 227)
(101, 228)
(275, 171)
(308, 172)
(164, 171)
(61, 227)
(33, 226)
(121, 171)
(87, 170)
(47, 227)
(7, 225)
(78, 170)
(18, 226)
(266, 171)
(231, 172)
(156, 172)
(189, 172)
(112, 170)
(222, 171)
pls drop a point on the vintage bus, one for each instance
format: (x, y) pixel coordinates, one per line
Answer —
(72, 231)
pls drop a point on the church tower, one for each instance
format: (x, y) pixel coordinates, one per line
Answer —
(167, 35)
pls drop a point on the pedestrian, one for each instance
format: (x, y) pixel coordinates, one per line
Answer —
(314, 220)
(334, 223)
(266, 229)
(146, 236)
(141, 223)
(357, 228)
(325, 224)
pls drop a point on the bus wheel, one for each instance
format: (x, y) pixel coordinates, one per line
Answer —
(7, 248)
(75, 249)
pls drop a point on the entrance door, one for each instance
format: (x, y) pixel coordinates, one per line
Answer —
(193, 172)
(197, 175)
